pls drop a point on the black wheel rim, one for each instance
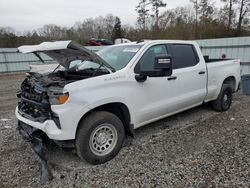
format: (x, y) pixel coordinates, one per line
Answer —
(227, 99)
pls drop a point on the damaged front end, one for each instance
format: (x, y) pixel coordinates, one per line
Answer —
(35, 98)
(34, 101)
(39, 92)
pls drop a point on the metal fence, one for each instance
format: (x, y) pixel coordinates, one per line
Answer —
(236, 48)
(13, 61)
(233, 48)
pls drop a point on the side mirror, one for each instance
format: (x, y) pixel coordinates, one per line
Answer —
(164, 63)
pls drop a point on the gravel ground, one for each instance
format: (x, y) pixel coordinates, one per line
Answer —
(197, 148)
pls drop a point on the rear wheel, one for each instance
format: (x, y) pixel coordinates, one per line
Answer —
(224, 100)
(99, 137)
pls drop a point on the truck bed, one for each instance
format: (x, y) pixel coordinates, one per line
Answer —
(218, 70)
(213, 60)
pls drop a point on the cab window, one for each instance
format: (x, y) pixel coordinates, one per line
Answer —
(184, 55)
(148, 58)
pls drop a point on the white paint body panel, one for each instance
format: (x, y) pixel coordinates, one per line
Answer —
(45, 46)
(217, 72)
(149, 101)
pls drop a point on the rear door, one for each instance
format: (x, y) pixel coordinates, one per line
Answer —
(191, 74)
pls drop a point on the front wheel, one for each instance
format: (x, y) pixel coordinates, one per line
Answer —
(99, 137)
(224, 100)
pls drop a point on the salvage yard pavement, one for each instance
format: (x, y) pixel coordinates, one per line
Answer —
(197, 148)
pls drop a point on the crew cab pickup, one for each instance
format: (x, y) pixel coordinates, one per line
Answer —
(92, 100)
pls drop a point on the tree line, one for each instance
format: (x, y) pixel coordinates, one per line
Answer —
(199, 19)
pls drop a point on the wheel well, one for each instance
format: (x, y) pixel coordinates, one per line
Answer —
(230, 80)
(120, 110)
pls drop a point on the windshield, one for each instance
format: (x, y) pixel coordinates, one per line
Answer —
(116, 56)
(119, 56)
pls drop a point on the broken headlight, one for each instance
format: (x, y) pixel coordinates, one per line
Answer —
(59, 99)
(57, 96)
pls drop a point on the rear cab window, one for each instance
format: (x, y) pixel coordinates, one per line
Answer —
(184, 55)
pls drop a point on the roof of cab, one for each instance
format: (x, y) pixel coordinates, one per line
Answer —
(143, 42)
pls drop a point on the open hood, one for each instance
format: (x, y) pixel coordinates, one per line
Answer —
(64, 52)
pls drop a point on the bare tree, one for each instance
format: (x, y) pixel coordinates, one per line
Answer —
(156, 5)
(52, 32)
(230, 11)
(206, 10)
(100, 27)
(244, 10)
(143, 13)
(117, 30)
(196, 7)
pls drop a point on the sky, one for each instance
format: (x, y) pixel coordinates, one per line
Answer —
(24, 15)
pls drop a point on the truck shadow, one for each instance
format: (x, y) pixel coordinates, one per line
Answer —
(67, 158)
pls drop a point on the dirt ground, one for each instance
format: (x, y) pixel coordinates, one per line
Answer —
(197, 148)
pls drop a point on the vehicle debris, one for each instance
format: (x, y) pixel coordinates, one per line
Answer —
(7, 127)
(36, 140)
(5, 119)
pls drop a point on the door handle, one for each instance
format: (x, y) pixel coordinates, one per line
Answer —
(172, 78)
(202, 72)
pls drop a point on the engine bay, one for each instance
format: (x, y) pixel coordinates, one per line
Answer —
(39, 91)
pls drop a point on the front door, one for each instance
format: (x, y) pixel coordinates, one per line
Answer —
(157, 96)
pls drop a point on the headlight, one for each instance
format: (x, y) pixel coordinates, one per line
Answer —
(63, 98)
(57, 95)
(58, 99)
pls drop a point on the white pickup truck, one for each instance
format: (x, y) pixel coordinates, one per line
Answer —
(91, 101)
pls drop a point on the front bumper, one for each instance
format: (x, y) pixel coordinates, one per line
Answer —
(29, 133)
(48, 127)
(69, 116)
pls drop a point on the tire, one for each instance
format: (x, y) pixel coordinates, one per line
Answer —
(99, 137)
(224, 100)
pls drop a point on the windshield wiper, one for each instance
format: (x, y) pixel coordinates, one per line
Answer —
(108, 67)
